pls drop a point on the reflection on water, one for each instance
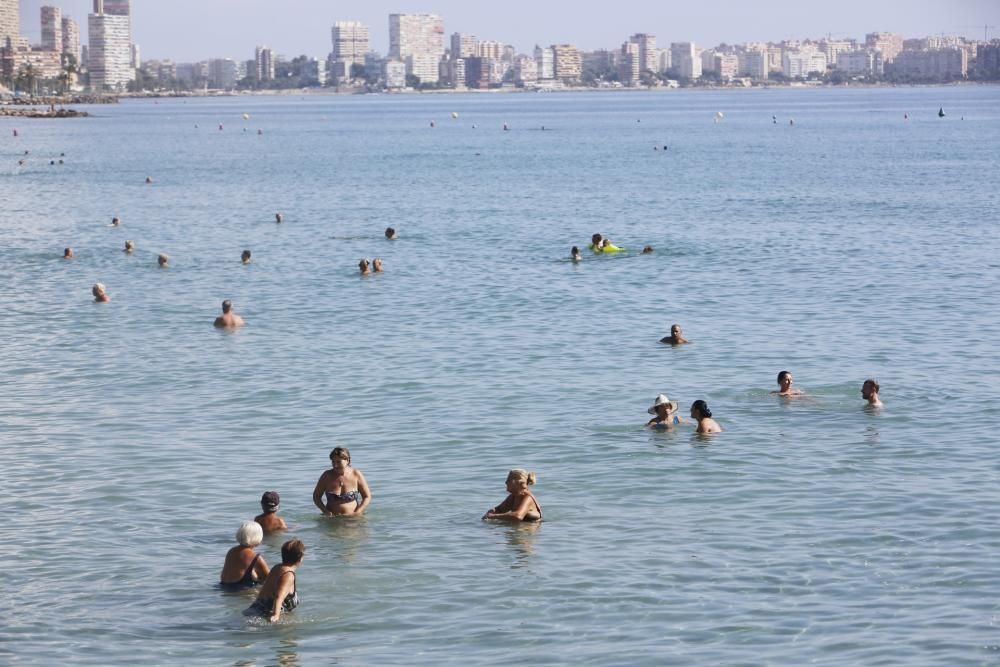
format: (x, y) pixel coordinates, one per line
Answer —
(521, 537)
(349, 533)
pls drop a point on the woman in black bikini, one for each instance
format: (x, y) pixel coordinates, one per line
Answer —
(520, 504)
(345, 488)
(244, 567)
(279, 591)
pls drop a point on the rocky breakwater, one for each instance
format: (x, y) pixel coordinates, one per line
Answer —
(40, 112)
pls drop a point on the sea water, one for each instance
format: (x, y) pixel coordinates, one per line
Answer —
(852, 235)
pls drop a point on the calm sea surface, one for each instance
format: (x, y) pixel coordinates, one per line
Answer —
(134, 437)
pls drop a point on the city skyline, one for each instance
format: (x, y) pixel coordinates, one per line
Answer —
(303, 27)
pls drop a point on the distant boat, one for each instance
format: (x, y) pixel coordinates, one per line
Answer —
(941, 112)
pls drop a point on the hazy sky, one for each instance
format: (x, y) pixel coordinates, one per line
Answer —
(190, 30)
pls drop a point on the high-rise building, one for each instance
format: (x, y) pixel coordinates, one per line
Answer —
(629, 66)
(491, 49)
(71, 38)
(685, 60)
(109, 53)
(263, 64)
(988, 60)
(754, 63)
(350, 44)
(525, 69)
(52, 21)
(417, 40)
(890, 44)
(10, 21)
(802, 63)
(567, 64)
(464, 45)
(649, 55)
(834, 47)
(116, 7)
(863, 62)
(545, 60)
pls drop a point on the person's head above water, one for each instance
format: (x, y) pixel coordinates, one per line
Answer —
(115, 221)
(363, 265)
(699, 410)
(269, 501)
(648, 249)
(784, 380)
(662, 404)
(869, 391)
(340, 454)
(292, 552)
(249, 534)
(574, 253)
(129, 246)
(390, 233)
(596, 239)
(68, 253)
(519, 478)
(245, 257)
(227, 305)
(377, 265)
(162, 260)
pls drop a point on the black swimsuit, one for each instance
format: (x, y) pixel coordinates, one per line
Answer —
(247, 581)
(262, 607)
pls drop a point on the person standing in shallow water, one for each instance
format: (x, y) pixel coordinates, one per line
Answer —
(664, 413)
(520, 504)
(228, 319)
(100, 293)
(345, 488)
(700, 411)
(279, 592)
(676, 336)
(869, 392)
(269, 519)
(244, 567)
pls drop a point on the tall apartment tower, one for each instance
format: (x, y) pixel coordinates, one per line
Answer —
(649, 55)
(10, 21)
(109, 53)
(568, 64)
(464, 46)
(264, 63)
(417, 40)
(52, 29)
(350, 44)
(71, 38)
(685, 60)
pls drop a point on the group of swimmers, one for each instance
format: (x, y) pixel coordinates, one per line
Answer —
(664, 410)
(341, 491)
(227, 319)
(599, 245)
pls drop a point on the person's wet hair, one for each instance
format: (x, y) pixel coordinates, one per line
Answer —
(292, 552)
(782, 374)
(873, 382)
(521, 475)
(227, 305)
(701, 407)
(340, 453)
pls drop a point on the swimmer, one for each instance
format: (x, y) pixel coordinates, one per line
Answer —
(520, 504)
(676, 336)
(700, 411)
(363, 267)
(68, 253)
(869, 392)
(162, 260)
(244, 567)
(574, 254)
(595, 242)
(390, 233)
(377, 265)
(785, 385)
(663, 410)
(100, 293)
(279, 591)
(648, 249)
(245, 257)
(345, 488)
(228, 319)
(52, 162)
(278, 217)
(115, 221)
(129, 247)
(269, 519)
(149, 180)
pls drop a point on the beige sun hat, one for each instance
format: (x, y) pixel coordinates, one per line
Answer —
(663, 400)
